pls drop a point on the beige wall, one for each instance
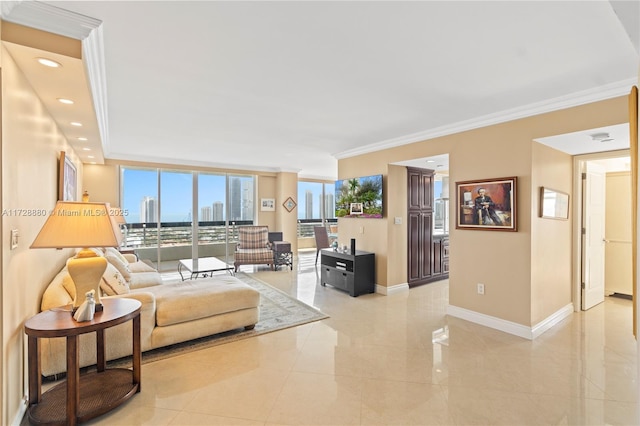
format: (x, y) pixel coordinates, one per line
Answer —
(551, 238)
(102, 182)
(397, 239)
(287, 222)
(31, 146)
(266, 189)
(503, 261)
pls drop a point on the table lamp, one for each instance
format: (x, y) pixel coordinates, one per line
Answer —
(81, 225)
(118, 218)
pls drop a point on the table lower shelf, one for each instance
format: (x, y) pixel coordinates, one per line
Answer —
(99, 393)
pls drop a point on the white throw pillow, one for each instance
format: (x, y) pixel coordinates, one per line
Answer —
(113, 252)
(121, 266)
(113, 282)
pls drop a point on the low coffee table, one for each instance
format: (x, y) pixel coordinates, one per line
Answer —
(204, 265)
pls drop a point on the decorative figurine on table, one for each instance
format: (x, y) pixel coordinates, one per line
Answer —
(87, 308)
(334, 245)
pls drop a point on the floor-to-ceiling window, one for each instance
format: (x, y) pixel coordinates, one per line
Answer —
(139, 201)
(212, 215)
(168, 208)
(316, 206)
(176, 215)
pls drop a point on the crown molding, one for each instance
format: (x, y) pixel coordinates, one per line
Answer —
(612, 90)
(46, 17)
(93, 55)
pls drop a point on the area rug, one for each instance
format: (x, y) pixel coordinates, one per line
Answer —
(278, 311)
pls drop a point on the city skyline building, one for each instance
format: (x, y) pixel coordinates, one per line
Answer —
(241, 198)
(206, 214)
(329, 206)
(148, 210)
(218, 211)
(308, 204)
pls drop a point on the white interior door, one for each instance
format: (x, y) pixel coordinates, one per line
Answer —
(593, 242)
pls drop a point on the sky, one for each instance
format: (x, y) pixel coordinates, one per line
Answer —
(177, 188)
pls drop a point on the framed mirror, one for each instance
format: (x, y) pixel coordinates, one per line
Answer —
(554, 204)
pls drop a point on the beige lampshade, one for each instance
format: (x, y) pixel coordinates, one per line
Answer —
(118, 216)
(76, 225)
(117, 219)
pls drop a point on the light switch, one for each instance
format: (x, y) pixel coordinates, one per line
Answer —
(397, 221)
(14, 239)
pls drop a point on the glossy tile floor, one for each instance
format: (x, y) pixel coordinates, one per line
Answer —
(375, 362)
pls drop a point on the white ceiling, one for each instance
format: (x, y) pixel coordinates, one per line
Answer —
(295, 85)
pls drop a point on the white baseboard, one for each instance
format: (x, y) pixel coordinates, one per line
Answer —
(398, 288)
(510, 327)
(552, 320)
(22, 410)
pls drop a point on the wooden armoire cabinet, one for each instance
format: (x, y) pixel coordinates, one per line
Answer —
(428, 255)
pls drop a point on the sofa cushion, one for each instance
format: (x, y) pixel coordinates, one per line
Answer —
(141, 266)
(262, 255)
(113, 282)
(145, 279)
(190, 300)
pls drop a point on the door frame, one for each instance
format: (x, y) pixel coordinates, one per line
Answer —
(578, 168)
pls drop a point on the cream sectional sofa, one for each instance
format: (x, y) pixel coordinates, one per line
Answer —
(171, 312)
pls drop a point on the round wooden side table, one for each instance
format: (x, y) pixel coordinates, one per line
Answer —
(102, 390)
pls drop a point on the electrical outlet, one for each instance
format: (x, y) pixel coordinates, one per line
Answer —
(480, 288)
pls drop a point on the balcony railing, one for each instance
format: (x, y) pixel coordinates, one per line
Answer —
(176, 238)
(143, 235)
(305, 226)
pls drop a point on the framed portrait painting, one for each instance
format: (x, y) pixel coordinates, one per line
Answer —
(67, 179)
(488, 204)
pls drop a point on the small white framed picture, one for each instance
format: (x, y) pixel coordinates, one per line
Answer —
(356, 208)
(267, 204)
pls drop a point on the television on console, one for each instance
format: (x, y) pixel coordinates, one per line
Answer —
(359, 197)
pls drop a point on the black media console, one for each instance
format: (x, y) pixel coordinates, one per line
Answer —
(353, 273)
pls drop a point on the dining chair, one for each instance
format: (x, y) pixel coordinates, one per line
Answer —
(322, 239)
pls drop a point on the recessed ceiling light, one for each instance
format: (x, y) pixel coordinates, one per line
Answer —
(65, 101)
(431, 161)
(75, 123)
(49, 63)
(86, 149)
(92, 162)
(90, 156)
